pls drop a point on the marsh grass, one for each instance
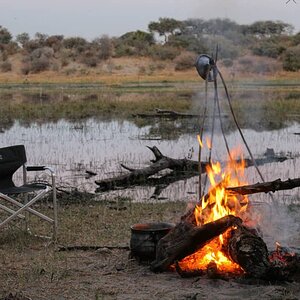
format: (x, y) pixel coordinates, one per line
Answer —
(275, 104)
(53, 107)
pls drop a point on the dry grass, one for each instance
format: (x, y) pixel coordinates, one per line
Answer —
(31, 269)
(40, 272)
(128, 69)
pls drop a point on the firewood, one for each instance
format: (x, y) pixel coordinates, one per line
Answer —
(186, 238)
(247, 249)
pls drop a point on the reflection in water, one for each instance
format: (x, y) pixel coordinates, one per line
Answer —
(73, 148)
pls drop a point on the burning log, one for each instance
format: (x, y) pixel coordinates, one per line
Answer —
(186, 238)
(266, 187)
(248, 250)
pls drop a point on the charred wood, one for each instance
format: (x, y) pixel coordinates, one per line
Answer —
(247, 249)
(186, 238)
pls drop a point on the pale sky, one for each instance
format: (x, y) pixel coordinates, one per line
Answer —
(92, 18)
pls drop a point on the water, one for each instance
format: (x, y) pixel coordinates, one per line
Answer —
(100, 146)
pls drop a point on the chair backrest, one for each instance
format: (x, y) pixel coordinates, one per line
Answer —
(11, 159)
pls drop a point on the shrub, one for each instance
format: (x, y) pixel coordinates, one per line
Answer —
(258, 65)
(123, 50)
(31, 45)
(54, 42)
(6, 66)
(5, 35)
(11, 48)
(245, 62)
(44, 51)
(291, 59)
(142, 70)
(40, 64)
(185, 61)
(227, 49)
(90, 61)
(70, 71)
(163, 52)
(77, 43)
(227, 62)
(26, 68)
(268, 48)
(105, 47)
(89, 58)
(133, 43)
(23, 39)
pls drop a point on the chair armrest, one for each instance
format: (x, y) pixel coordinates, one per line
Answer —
(35, 168)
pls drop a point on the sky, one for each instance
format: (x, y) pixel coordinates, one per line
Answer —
(93, 18)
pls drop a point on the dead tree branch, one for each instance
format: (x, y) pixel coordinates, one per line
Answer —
(266, 187)
(185, 168)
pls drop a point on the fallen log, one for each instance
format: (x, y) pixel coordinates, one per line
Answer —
(266, 187)
(161, 162)
(139, 176)
(171, 114)
(186, 238)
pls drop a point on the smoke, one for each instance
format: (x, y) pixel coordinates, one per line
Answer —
(278, 224)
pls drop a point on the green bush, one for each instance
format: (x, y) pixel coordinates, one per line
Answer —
(291, 59)
(124, 50)
(268, 48)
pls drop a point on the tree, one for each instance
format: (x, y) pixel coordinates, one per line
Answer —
(134, 43)
(41, 38)
(291, 59)
(5, 35)
(105, 46)
(23, 39)
(271, 47)
(77, 43)
(268, 28)
(54, 42)
(165, 27)
(188, 42)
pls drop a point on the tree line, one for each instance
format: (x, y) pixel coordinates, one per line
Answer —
(166, 39)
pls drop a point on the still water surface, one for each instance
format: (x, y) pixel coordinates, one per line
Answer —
(101, 146)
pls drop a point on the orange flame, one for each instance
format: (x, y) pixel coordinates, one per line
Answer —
(216, 204)
(200, 141)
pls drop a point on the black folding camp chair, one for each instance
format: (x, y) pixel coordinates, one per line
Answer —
(11, 159)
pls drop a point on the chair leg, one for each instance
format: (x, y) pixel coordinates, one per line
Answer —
(32, 211)
(25, 207)
(7, 209)
(55, 209)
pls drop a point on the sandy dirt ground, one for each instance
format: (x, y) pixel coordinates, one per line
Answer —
(110, 274)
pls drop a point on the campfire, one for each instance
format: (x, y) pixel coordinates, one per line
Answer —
(219, 203)
(220, 235)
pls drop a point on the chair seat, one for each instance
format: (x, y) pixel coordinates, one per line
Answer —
(26, 188)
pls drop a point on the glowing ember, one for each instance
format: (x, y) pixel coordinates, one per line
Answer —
(217, 204)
